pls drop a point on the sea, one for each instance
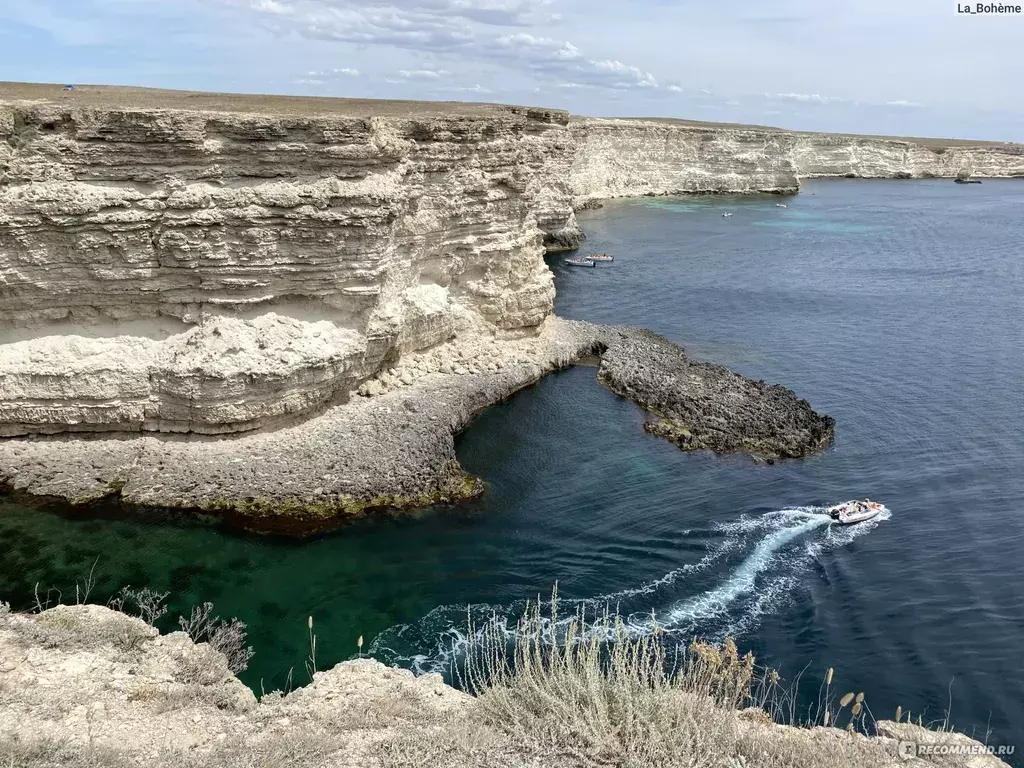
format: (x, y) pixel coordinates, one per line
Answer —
(897, 307)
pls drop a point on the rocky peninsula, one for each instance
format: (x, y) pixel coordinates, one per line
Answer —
(283, 309)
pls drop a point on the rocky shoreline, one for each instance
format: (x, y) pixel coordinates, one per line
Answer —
(392, 446)
(281, 310)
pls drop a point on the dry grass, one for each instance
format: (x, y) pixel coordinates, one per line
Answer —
(295, 750)
(59, 628)
(553, 691)
(593, 691)
(50, 752)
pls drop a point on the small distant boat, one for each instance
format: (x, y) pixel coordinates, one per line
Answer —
(600, 257)
(726, 215)
(781, 205)
(854, 512)
(966, 181)
(580, 261)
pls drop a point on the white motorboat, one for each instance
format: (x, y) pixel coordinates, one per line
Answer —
(725, 215)
(600, 257)
(781, 205)
(580, 261)
(852, 512)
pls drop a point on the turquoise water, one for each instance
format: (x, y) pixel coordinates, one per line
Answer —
(896, 307)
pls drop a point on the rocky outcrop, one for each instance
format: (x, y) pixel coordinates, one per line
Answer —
(85, 685)
(393, 445)
(716, 409)
(207, 272)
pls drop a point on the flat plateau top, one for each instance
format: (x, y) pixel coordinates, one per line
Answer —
(130, 97)
(925, 142)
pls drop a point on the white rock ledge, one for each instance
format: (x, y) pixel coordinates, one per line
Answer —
(392, 446)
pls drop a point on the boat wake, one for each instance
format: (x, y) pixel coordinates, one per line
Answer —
(754, 567)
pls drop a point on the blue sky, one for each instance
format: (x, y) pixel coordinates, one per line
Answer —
(910, 67)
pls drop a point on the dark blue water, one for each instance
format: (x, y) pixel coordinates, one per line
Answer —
(896, 307)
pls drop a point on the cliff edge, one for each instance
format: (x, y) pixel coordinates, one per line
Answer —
(88, 686)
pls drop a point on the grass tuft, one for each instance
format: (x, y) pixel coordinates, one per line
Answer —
(604, 692)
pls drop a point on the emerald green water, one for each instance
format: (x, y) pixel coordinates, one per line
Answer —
(358, 582)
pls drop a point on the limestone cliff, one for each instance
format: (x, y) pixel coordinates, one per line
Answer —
(823, 154)
(203, 271)
(624, 158)
(211, 264)
(177, 268)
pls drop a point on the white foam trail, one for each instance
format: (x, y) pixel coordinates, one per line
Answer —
(716, 553)
(716, 602)
(774, 588)
(440, 638)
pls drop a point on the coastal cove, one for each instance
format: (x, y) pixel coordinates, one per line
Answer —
(893, 306)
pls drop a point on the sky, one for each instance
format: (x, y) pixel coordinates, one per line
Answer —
(899, 67)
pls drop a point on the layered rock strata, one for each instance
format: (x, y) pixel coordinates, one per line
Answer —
(817, 155)
(393, 445)
(211, 272)
(627, 158)
(84, 685)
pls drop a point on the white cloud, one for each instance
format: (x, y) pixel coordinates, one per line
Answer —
(903, 103)
(812, 98)
(622, 75)
(422, 74)
(454, 27)
(523, 45)
(341, 72)
(469, 89)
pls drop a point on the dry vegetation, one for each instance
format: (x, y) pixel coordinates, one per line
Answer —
(552, 691)
(580, 693)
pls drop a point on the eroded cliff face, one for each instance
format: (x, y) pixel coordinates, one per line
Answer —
(216, 270)
(625, 158)
(178, 270)
(824, 155)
